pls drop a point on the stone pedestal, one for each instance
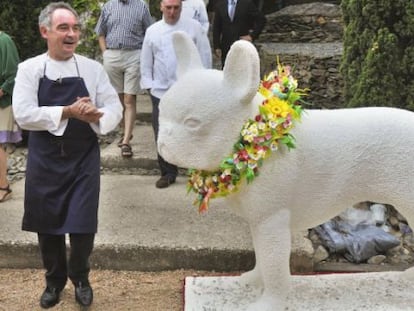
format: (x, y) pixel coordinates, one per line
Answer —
(376, 291)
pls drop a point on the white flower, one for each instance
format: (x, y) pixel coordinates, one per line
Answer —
(274, 146)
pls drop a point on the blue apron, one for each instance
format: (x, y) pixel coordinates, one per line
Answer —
(63, 172)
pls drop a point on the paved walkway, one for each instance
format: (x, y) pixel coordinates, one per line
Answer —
(141, 227)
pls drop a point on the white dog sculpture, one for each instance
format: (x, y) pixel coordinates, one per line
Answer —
(342, 157)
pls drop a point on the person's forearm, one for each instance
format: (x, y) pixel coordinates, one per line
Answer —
(102, 43)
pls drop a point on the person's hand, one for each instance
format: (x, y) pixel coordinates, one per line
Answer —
(84, 110)
(247, 38)
(84, 106)
(217, 52)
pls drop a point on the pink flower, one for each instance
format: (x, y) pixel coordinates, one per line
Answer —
(243, 155)
(288, 121)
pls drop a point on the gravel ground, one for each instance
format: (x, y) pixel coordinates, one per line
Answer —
(20, 290)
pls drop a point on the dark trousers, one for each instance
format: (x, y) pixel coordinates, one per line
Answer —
(167, 169)
(224, 52)
(58, 269)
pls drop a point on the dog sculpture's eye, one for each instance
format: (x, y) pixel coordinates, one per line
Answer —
(192, 123)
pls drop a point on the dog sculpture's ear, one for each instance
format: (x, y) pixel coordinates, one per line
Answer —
(186, 53)
(242, 70)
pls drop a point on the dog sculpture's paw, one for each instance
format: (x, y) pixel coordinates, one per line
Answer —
(251, 278)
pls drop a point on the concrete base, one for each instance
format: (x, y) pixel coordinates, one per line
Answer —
(376, 291)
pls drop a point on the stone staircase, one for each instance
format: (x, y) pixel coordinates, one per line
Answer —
(144, 159)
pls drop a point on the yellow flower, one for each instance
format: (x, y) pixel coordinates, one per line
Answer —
(249, 138)
(253, 129)
(275, 110)
(266, 93)
(250, 132)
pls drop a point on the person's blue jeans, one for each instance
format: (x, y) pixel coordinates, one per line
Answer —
(167, 169)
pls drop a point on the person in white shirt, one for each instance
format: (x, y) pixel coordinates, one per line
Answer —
(158, 65)
(64, 100)
(197, 10)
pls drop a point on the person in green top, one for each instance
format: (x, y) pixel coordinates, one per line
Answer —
(9, 131)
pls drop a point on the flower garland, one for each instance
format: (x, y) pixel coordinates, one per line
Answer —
(258, 139)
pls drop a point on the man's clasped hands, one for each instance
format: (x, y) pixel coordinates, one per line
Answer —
(82, 109)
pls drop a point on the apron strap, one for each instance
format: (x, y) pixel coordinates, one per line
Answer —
(60, 79)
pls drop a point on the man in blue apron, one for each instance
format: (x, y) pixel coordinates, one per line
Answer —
(64, 100)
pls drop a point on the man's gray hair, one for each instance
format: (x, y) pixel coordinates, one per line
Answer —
(45, 16)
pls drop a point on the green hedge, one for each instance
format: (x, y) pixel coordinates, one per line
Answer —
(378, 59)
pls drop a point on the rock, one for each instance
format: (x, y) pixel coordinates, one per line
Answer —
(303, 259)
(320, 254)
(408, 241)
(394, 222)
(376, 260)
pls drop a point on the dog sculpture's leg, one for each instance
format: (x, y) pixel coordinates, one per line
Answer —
(253, 277)
(272, 242)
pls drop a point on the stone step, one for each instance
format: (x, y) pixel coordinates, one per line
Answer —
(144, 108)
(144, 159)
(144, 152)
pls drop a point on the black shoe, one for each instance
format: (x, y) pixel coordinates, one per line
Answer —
(164, 181)
(83, 293)
(50, 297)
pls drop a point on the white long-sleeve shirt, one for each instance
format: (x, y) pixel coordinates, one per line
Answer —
(196, 9)
(158, 60)
(26, 108)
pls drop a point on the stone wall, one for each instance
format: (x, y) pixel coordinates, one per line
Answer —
(308, 38)
(312, 22)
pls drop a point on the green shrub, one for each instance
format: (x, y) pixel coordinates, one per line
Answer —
(378, 59)
(19, 18)
(154, 7)
(89, 11)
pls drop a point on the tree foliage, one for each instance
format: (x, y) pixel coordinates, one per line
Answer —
(89, 11)
(19, 18)
(378, 59)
